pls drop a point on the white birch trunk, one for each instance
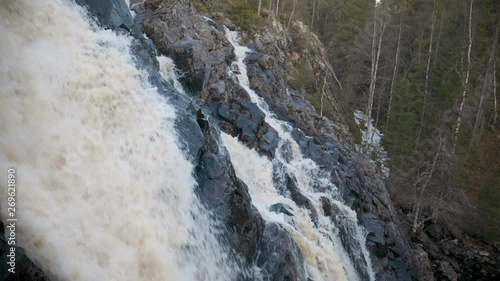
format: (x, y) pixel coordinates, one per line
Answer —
(458, 123)
(487, 78)
(277, 8)
(373, 82)
(495, 89)
(312, 16)
(291, 15)
(395, 70)
(427, 72)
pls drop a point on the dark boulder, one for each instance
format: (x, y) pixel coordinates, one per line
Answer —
(225, 194)
(329, 209)
(268, 140)
(113, 14)
(279, 257)
(376, 235)
(281, 208)
(190, 58)
(289, 188)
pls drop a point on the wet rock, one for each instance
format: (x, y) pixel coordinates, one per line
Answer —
(25, 269)
(190, 57)
(253, 57)
(218, 187)
(225, 194)
(375, 228)
(326, 142)
(279, 257)
(329, 209)
(268, 140)
(300, 199)
(281, 208)
(112, 13)
(446, 271)
(144, 55)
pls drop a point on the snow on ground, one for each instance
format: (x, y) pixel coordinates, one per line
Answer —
(375, 149)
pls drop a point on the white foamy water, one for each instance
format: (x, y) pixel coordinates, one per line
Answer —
(103, 190)
(256, 171)
(169, 72)
(320, 243)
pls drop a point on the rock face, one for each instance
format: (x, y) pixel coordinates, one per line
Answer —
(279, 258)
(201, 51)
(111, 13)
(447, 256)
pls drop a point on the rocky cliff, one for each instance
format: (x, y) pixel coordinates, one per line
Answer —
(215, 101)
(202, 53)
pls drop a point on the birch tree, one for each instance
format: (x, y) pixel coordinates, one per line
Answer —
(395, 69)
(291, 14)
(420, 192)
(375, 56)
(427, 71)
(488, 80)
(312, 14)
(495, 89)
(458, 123)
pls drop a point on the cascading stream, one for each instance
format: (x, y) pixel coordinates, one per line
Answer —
(334, 249)
(169, 72)
(104, 191)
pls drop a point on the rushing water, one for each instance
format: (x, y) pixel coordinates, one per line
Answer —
(333, 249)
(169, 72)
(104, 192)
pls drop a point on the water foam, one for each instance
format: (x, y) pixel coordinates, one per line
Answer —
(326, 255)
(104, 192)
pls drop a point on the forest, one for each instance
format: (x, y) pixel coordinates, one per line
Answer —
(426, 71)
(222, 140)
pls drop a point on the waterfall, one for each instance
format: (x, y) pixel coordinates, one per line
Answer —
(334, 249)
(104, 191)
(169, 72)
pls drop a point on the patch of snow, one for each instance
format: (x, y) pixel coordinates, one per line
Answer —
(375, 149)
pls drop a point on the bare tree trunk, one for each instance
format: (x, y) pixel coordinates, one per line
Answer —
(495, 89)
(419, 54)
(418, 200)
(378, 107)
(324, 23)
(438, 41)
(458, 123)
(376, 49)
(479, 111)
(372, 82)
(277, 8)
(322, 96)
(312, 16)
(486, 85)
(284, 13)
(427, 71)
(291, 15)
(270, 10)
(260, 6)
(395, 70)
